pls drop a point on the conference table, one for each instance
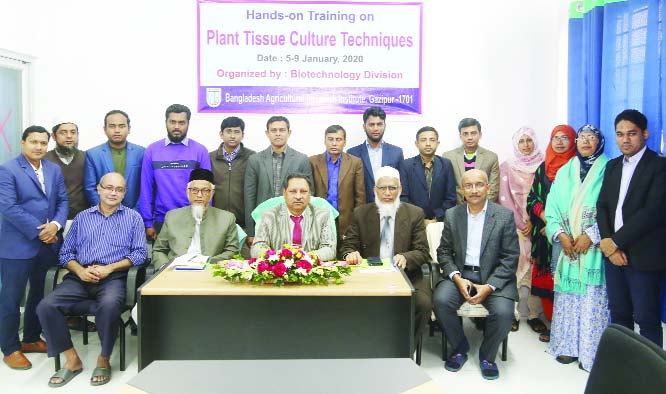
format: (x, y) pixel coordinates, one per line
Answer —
(191, 315)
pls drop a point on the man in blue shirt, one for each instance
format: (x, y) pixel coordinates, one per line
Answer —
(102, 244)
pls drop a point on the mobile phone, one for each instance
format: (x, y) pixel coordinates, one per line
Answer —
(374, 261)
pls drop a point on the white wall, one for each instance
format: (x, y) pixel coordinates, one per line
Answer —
(502, 62)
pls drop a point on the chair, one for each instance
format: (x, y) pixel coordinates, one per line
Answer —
(271, 202)
(627, 363)
(135, 277)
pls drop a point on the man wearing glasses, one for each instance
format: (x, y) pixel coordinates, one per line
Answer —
(197, 228)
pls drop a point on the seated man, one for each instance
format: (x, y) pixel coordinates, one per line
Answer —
(198, 228)
(102, 244)
(400, 237)
(296, 222)
(478, 254)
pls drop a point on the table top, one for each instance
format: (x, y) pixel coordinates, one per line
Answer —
(368, 284)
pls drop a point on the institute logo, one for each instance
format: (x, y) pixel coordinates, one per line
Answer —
(213, 97)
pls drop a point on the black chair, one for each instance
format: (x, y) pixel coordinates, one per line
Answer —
(427, 271)
(627, 363)
(135, 277)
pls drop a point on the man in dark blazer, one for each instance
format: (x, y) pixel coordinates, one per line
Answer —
(391, 229)
(375, 152)
(478, 255)
(427, 179)
(266, 170)
(33, 211)
(632, 223)
(338, 177)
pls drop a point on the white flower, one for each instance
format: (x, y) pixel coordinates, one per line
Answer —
(274, 257)
(301, 271)
(288, 263)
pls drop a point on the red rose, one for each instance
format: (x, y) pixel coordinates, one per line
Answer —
(304, 264)
(279, 269)
(263, 266)
(285, 253)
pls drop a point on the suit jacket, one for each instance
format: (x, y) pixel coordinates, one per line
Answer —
(218, 234)
(259, 178)
(442, 194)
(99, 163)
(391, 156)
(351, 186)
(24, 207)
(317, 232)
(643, 214)
(409, 237)
(499, 248)
(485, 160)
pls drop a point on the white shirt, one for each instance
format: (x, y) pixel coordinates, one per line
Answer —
(40, 175)
(375, 156)
(386, 248)
(195, 246)
(628, 168)
(474, 235)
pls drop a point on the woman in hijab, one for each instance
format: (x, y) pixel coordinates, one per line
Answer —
(559, 151)
(580, 310)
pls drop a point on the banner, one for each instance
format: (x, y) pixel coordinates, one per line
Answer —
(309, 57)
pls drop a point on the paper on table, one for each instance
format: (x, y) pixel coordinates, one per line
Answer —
(385, 267)
(190, 262)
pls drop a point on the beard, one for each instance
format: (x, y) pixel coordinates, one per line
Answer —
(176, 139)
(387, 209)
(374, 139)
(198, 212)
(67, 150)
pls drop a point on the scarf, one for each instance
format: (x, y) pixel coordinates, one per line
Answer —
(525, 163)
(587, 162)
(556, 160)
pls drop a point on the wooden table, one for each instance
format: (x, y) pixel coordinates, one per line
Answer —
(191, 315)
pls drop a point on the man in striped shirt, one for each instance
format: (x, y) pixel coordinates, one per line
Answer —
(102, 244)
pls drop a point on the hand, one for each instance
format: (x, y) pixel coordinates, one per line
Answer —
(88, 274)
(49, 230)
(354, 258)
(249, 240)
(463, 286)
(543, 216)
(608, 246)
(619, 258)
(102, 271)
(527, 230)
(567, 245)
(582, 244)
(543, 231)
(151, 233)
(482, 291)
(400, 261)
(428, 221)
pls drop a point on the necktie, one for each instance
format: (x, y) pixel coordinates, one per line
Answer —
(298, 232)
(386, 241)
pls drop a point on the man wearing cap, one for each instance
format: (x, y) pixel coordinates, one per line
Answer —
(393, 230)
(197, 228)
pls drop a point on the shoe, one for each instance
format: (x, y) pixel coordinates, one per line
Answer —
(515, 325)
(545, 336)
(566, 359)
(76, 323)
(17, 360)
(33, 347)
(455, 362)
(489, 370)
(537, 325)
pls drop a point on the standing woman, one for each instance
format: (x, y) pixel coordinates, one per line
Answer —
(559, 151)
(581, 304)
(516, 176)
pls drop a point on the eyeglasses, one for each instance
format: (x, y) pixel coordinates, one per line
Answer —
(195, 191)
(387, 188)
(472, 186)
(557, 138)
(110, 189)
(588, 137)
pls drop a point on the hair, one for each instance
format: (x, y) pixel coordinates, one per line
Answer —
(35, 129)
(334, 129)
(117, 111)
(56, 127)
(295, 175)
(177, 109)
(466, 122)
(374, 111)
(633, 116)
(232, 121)
(424, 129)
(277, 118)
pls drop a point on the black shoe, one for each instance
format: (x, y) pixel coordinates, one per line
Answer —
(566, 359)
(455, 362)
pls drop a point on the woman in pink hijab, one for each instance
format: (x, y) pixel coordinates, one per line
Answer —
(516, 176)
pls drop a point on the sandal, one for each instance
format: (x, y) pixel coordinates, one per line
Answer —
(65, 374)
(545, 336)
(100, 372)
(515, 325)
(537, 325)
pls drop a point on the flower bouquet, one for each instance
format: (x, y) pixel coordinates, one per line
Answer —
(287, 265)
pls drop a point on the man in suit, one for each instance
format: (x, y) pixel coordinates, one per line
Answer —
(391, 229)
(267, 170)
(427, 179)
(33, 210)
(297, 222)
(478, 255)
(115, 155)
(338, 177)
(197, 228)
(632, 223)
(470, 155)
(375, 152)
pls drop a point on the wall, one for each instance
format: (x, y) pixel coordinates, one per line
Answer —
(502, 62)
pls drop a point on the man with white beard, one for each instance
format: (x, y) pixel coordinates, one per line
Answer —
(197, 228)
(390, 229)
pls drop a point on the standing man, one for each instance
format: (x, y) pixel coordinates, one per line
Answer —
(166, 169)
(478, 255)
(470, 155)
(427, 179)
(338, 177)
(632, 223)
(71, 161)
(267, 170)
(115, 155)
(375, 153)
(229, 162)
(33, 209)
